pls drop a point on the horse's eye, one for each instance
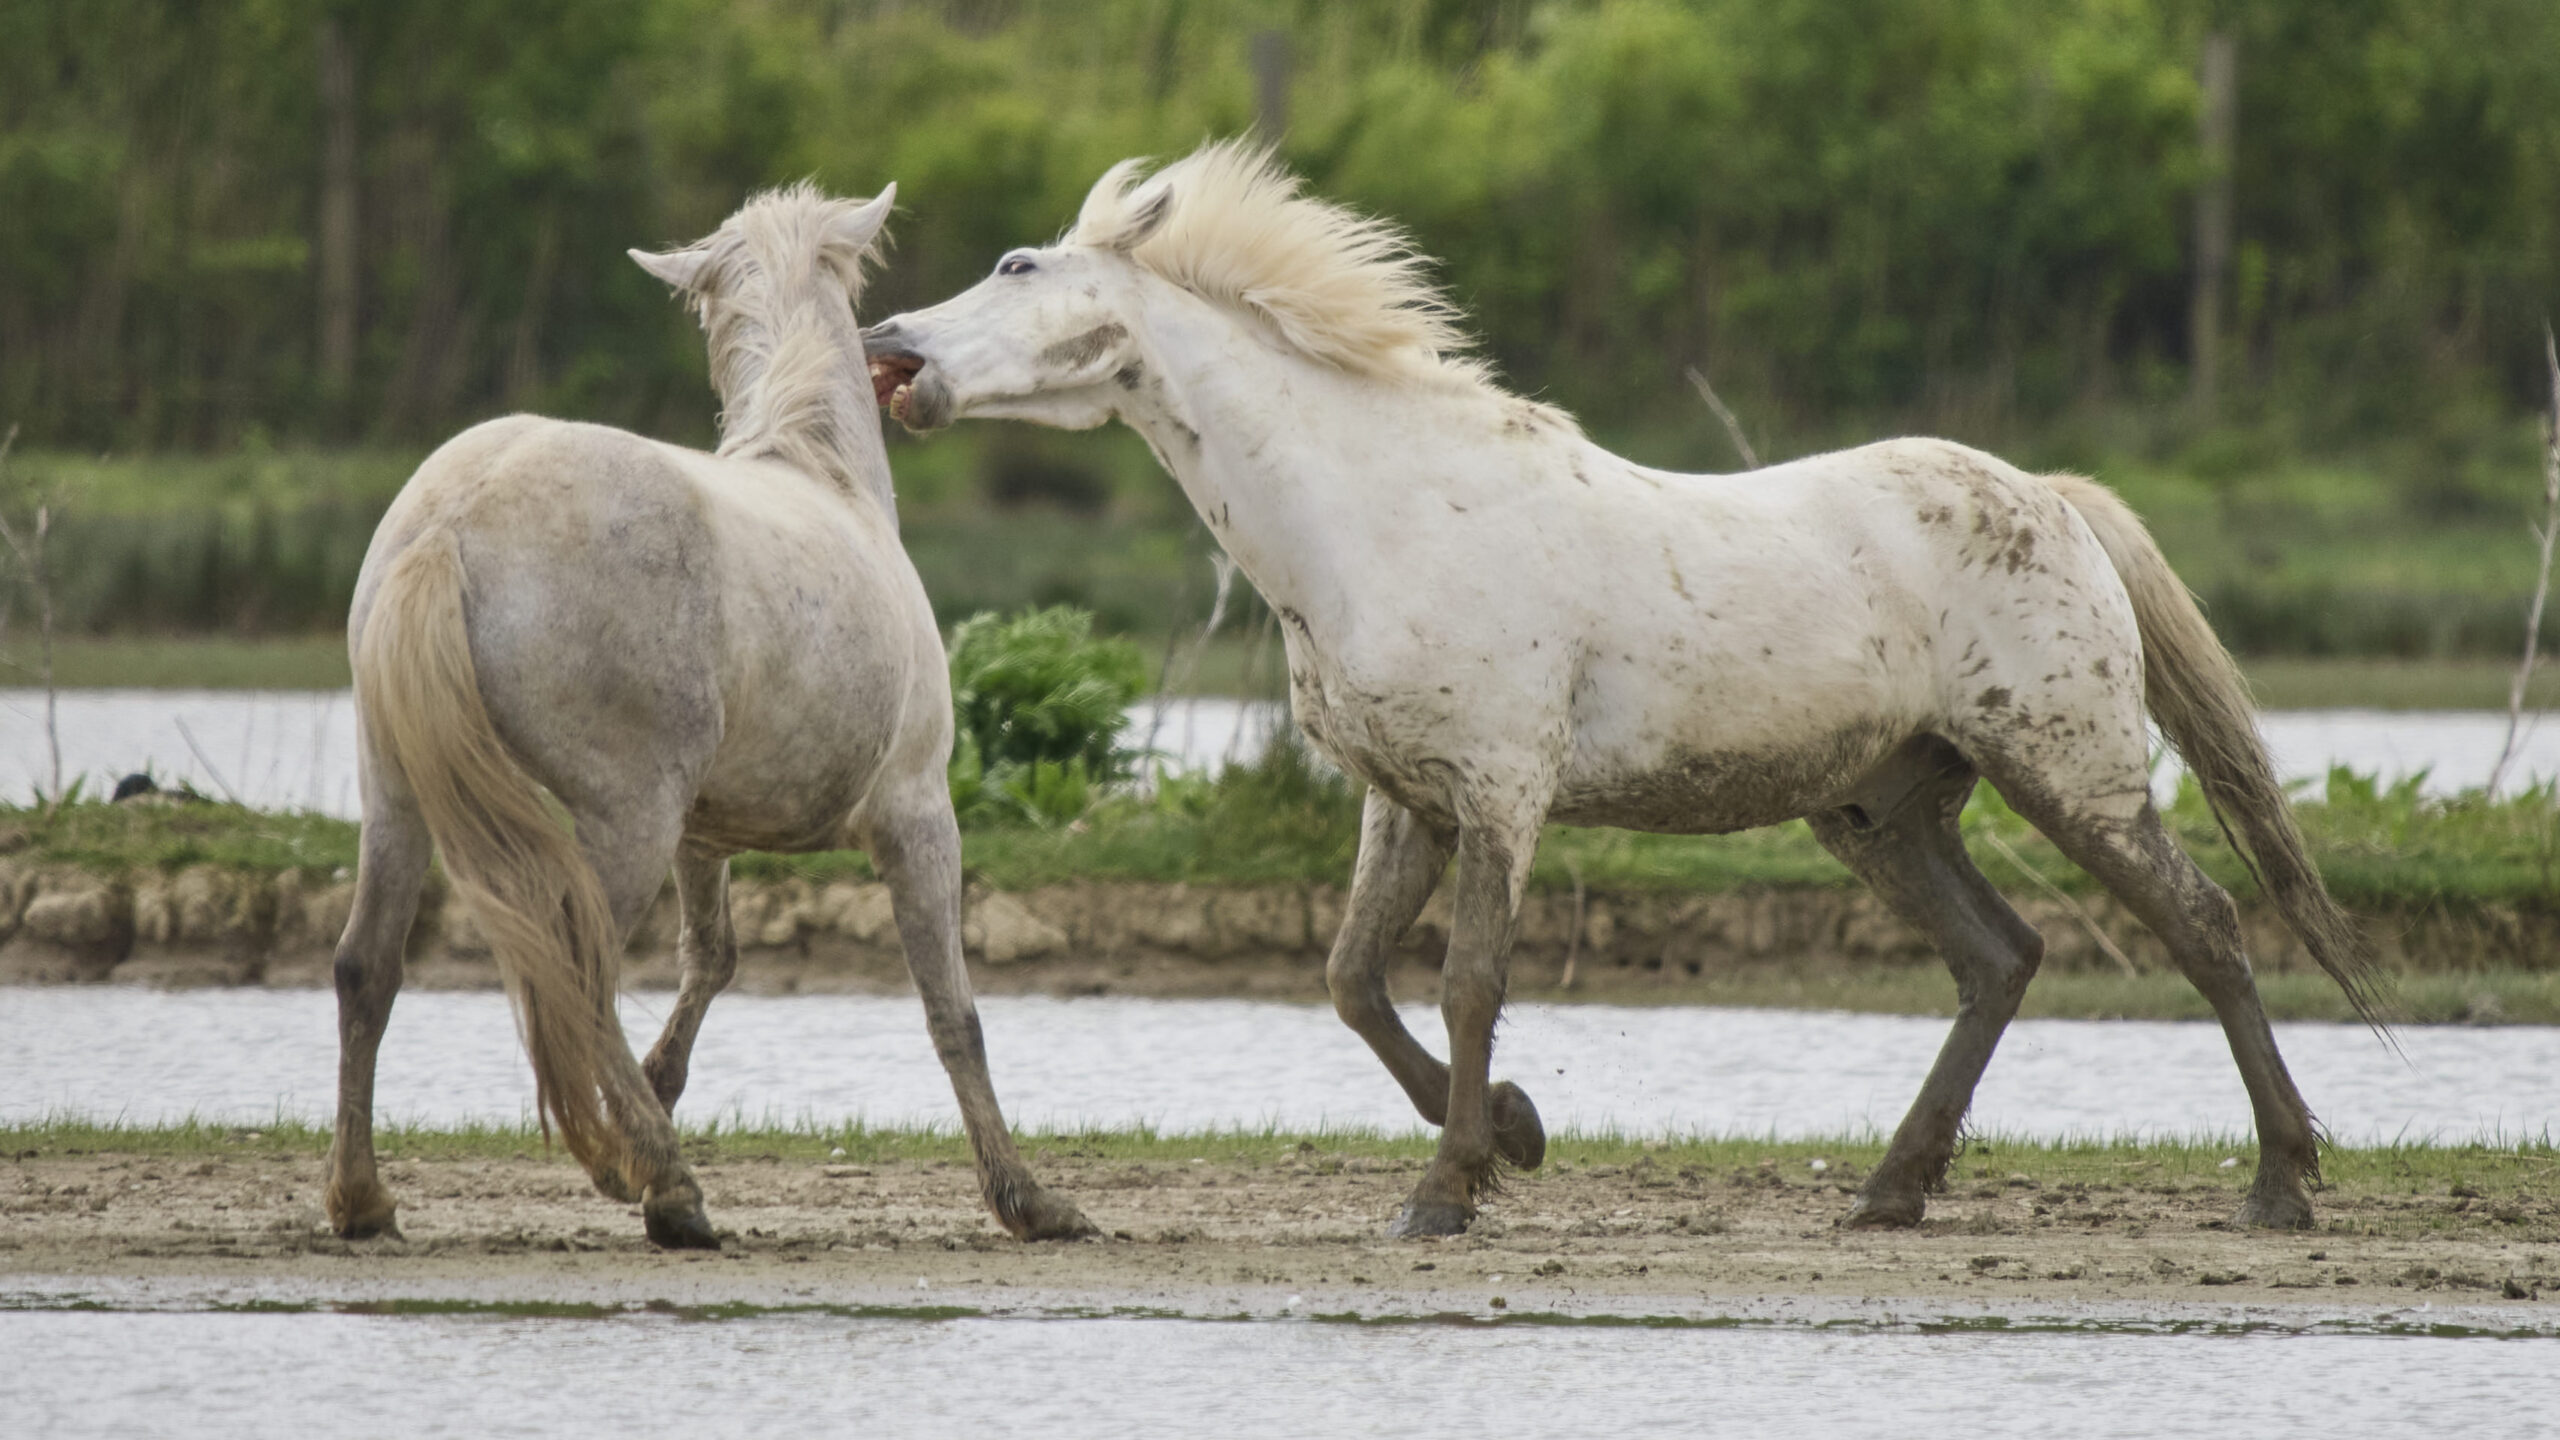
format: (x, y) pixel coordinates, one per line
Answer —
(1016, 265)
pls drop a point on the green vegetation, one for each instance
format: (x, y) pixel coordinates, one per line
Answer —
(194, 662)
(1284, 821)
(1961, 217)
(2494, 1167)
(1039, 705)
(1960, 213)
(2490, 997)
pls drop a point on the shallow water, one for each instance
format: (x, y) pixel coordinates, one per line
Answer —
(249, 1056)
(295, 749)
(181, 1367)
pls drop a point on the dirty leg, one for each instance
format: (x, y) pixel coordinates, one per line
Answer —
(2138, 861)
(917, 850)
(392, 866)
(630, 854)
(1910, 852)
(706, 959)
(1400, 862)
(1490, 870)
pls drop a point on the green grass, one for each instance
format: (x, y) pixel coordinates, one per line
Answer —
(2506, 997)
(1238, 661)
(189, 662)
(2382, 554)
(111, 839)
(2494, 1165)
(2383, 848)
(2299, 683)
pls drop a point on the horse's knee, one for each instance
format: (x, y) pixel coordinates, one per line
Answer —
(1359, 993)
(364, 982)
(711, 962)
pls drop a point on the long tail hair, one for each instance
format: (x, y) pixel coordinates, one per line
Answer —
(2195, 690)
(544, 909)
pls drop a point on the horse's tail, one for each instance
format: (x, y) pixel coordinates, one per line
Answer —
(2195, 690)
(545, 911)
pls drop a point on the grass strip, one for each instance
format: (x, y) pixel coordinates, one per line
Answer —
(2382, 847)
(2490, 1166)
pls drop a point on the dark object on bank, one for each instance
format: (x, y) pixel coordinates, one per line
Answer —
(136, 785)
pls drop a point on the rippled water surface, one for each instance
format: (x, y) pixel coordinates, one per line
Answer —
(822, 1372)
(1190, 1065)
(295, 749)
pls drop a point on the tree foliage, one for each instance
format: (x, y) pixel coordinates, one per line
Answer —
(1955, 214)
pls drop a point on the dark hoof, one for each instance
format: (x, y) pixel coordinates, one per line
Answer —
(1430, 1219)
(1040, 1215)
(676, 1222)
(2278, 1211)
(370, 1215)
(1886, 1210)
(1517, 1133)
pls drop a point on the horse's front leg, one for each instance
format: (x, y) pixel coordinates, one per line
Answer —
(1491, 867)
(1401, 857)
(706, 959)
(917, 850)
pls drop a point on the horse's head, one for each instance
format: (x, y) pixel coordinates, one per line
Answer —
(1041, 339)
(790, 259)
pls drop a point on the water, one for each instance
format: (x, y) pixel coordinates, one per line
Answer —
(250, 1056)
(199, 1363)
(296, 749)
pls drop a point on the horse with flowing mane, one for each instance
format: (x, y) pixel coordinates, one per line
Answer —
(1496, 623)
(691, 655)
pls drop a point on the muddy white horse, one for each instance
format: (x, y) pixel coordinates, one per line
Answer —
(693, 655)
(1496, 624)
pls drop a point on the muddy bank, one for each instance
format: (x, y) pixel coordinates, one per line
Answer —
(1299, 1220)
(205, 925)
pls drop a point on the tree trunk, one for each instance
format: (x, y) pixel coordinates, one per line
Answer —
(338, 236)
(2218, 78)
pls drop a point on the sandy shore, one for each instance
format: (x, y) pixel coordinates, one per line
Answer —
(1303, 1228)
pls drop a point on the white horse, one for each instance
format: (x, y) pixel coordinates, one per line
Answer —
(694, 655)
(1496, 623)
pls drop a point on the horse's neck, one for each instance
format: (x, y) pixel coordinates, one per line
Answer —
(1241, 427)
(811, 406)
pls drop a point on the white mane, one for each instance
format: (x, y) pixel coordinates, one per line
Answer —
(776, 358)
(1336, 286)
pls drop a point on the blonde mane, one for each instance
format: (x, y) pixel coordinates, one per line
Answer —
(1331, 284)
(778, 356)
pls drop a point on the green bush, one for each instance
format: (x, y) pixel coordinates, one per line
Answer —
(1039, 704)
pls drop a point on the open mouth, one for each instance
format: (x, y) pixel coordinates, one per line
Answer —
(893, 381)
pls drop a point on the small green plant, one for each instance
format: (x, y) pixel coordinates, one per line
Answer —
(1040, 704)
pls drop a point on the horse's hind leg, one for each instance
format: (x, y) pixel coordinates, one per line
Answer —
(1400, 862)
(1907, 846)
(392, 865)
(706, 957)
(630, 850)
(915, 842)
(2132, 854)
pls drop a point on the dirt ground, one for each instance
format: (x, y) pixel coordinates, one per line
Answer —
(1182, 1235)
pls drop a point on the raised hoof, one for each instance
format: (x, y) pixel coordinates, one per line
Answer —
(1040, 1215)
(1429, 1220)
(2274, 1212)
(676, 1222)
(1517, 1133)
(373, 1215)
(1887, 1210)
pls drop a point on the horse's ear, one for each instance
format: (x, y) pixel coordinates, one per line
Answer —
(858, 227)
(680, 268)
(1144, 221)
